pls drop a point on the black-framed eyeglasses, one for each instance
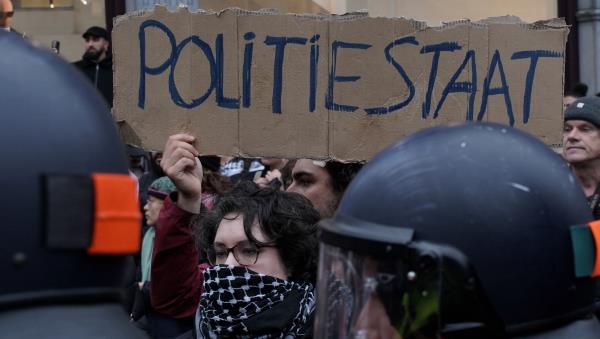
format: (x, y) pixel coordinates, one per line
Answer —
(245, 253)
(7, 14)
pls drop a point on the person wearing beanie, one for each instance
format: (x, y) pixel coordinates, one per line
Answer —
(581, 146)
(158, 326)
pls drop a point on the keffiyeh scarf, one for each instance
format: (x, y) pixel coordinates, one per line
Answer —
(241, 303)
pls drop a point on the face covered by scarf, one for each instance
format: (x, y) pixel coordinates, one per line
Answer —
(238, 302)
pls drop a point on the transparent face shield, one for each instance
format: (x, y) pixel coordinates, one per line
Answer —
(362, 296)
(368, 289)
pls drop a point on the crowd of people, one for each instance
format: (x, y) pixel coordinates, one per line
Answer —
(237, 255)
(470, 231)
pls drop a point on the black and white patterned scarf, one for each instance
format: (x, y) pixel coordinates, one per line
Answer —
(234, 299)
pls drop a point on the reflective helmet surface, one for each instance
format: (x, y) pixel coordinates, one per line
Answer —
(496, 195)
(55, 130)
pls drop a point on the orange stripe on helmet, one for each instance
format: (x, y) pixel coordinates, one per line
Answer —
(595, 228)
(117, 218)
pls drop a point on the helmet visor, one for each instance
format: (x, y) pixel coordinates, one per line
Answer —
(362, 295)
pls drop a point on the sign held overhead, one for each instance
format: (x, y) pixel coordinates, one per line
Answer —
(328, 87)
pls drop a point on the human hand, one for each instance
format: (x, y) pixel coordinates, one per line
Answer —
(272, 175)
(267, 180)
(181, 165)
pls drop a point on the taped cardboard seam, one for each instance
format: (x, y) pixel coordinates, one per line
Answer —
(487, 28)
(330, 120)
(564, 50)
(237, 145)
(244, 12)
(555, 23)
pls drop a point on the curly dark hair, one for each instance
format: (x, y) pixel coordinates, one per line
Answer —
(287, 220)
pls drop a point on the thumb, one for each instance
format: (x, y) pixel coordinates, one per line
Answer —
(198, 170)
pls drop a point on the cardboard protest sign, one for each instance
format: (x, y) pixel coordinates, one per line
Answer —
(328, 87)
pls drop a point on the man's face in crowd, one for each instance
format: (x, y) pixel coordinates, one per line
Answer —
(581, 141)
(314, 182)
(95, 48)
(6, 12)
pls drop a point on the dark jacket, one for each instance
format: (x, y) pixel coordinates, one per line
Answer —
(101, 76)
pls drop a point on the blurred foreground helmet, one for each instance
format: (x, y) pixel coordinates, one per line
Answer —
(477, 230)
(69, 208)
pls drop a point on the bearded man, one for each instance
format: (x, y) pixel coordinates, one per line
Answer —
(96, 62)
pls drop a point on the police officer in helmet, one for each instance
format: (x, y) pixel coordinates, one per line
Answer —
(470, 231)
(69, 209)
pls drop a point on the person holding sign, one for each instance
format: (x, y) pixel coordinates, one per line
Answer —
(155, 324)
(581, 147)
(261, 245)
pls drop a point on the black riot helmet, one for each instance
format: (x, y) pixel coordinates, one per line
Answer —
(476, 230)
(69, 210)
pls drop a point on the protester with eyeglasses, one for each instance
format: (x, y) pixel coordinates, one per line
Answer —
(261, 245)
